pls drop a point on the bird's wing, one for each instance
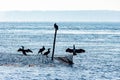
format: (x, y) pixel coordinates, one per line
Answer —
(39, 51)
(69, 50)
(19, 49)
(28, 50)
(45, 53)
(80, 50)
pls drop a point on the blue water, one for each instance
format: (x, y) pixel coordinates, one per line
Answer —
(100, 40)
(90, 36)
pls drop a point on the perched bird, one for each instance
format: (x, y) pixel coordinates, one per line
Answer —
(46, 53)
(24, 51)
(56, 26)
(71, 51)
(74, 51)
(41, 50)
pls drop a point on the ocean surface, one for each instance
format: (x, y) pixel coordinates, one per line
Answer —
(101, 61)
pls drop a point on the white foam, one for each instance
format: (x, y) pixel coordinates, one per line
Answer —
(35, 32)
(88, 32)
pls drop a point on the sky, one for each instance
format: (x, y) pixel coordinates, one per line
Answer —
(60, 16)
(60, 10)
(59, 5)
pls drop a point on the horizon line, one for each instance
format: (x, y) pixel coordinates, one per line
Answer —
(60, 21)
(54, 10)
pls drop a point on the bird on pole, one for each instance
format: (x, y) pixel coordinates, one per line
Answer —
(56, 28)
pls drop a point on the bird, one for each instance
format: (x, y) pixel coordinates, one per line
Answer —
(46, 53)
(41, 50)
(71, 51)
(56, 26)
(74, 51)
(24, 51)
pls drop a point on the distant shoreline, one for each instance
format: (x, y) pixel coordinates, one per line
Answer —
(52, 22)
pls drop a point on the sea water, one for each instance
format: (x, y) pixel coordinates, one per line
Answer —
(101, 41)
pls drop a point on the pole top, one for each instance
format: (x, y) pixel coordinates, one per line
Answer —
(56, 26)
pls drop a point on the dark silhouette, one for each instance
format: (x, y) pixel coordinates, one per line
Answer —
(76, 51)
(46, 53)
(56, 28)
(24, 51)
(69, 50)
(79, 50)
(41, 50)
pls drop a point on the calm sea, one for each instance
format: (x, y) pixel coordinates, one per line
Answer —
(93, 37)
(100, 40)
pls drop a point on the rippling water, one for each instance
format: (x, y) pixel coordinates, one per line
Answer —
(90, 36)
(100, 40)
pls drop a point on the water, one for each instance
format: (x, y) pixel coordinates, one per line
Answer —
(90, 36)
(100, 40)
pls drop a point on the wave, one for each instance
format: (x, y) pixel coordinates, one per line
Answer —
(35, 32)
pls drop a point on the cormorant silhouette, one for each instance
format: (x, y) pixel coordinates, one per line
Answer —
(71, 51)
(41, 50)
(46, 53)
(76, 51)
(24, 51)
(56, 26)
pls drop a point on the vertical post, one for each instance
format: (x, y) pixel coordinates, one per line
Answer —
(56, 28)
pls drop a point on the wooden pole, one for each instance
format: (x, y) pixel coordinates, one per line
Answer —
(56, 28)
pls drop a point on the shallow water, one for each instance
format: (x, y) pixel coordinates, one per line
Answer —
(101, 61)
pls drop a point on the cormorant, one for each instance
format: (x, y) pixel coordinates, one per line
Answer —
(56, 26)
(46, 53)
(71, 51)
(76, 51)
(41, 50)
(24, 50)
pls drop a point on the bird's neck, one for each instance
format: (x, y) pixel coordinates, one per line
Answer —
(22, 47)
